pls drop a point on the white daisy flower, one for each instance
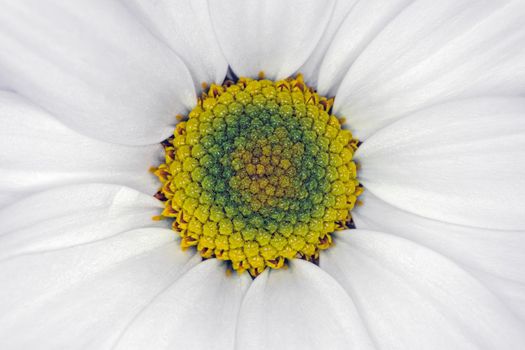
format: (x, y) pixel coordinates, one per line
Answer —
(259, 175)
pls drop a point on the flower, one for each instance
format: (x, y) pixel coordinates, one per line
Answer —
(433, 89)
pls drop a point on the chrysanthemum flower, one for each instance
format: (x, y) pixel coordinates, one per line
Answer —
(329, 174)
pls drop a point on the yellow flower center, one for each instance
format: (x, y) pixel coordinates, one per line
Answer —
(258, 173)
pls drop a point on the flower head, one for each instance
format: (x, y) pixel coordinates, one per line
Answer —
(262, 172)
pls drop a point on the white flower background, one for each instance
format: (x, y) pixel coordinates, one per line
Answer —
(435, 89)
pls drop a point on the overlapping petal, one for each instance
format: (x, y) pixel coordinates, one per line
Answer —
(84, 297)
(39, 152)
(272, 36)
(199, 311)
(495, 257)
(412, 298)
(311, 67)
(73, 215)
(461, 162)
(299, 308)
(94, 66)
(78, 263)
(430, 52)
(358, 29)
(186, 27)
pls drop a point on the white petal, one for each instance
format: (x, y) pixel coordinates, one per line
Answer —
(365, 20)
(434, 52)
(94, 66)
(186, 27)
(273, 36)
(461, 162)
(311, 67)
(39, 152)
(412, 298)
(494, 257)
(199, 311)
(85, 296)
(299, 308)
(73, 215)
(76, 267)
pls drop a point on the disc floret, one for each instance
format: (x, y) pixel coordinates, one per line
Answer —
(258, 173)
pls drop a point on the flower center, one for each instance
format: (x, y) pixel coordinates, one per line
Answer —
(258, 173)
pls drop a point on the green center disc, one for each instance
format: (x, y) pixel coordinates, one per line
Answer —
(259, 173)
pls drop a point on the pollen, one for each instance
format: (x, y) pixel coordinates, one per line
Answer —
(258, 173)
